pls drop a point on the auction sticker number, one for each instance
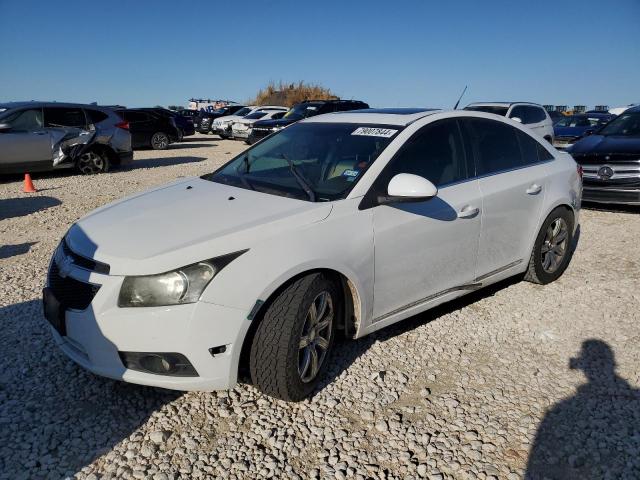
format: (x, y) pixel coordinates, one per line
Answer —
(374, 132)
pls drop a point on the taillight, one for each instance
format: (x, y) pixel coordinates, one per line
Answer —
(580, 171)
(123, 125)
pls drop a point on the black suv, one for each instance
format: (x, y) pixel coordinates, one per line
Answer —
(206, 118)
(184, 123)
(308, 108)
(149, 129)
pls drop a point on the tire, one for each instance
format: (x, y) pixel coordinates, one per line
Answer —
(279, 365)
(544, 265)
(92, 162)
(160, 141)
(223, 136)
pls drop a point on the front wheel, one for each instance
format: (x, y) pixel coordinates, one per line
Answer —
(293, 342)
(552, 250)
(159, 141)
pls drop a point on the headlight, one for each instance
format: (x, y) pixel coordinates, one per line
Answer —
(184, 285)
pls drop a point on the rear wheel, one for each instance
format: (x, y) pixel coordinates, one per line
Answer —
(293, 342)
(552, 250)
(90, 163)
(159, 141)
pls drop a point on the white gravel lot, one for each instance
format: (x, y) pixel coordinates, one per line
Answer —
(478, 389)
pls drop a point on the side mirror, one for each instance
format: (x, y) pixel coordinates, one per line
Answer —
(4, 127)
(406, 187)
(516, 119)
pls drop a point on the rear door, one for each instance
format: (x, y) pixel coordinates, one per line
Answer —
(512, 178)
(141, 127)
(26, 145)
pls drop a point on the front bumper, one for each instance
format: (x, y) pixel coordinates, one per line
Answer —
(623, 196)
(243, 134)
(95, 335)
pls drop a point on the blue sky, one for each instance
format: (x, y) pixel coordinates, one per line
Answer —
(391, 53)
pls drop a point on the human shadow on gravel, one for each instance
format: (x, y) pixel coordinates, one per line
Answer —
(21, 206)
(595, 434)
(55, 417)
(162, 162)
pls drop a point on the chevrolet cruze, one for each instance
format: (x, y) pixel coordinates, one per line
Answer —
(338, 225)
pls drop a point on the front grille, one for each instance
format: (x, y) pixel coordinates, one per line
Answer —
(71, 293)
(619, 171)
(84, 262)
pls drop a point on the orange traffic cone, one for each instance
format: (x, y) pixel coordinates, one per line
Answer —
(28, 184)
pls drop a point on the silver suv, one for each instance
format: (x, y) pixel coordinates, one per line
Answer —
(40, 136)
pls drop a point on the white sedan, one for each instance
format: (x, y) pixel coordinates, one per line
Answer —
(241, 128)
(338, 225)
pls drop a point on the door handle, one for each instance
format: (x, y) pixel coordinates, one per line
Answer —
(468, 211)
(534, 189)
(40, 133)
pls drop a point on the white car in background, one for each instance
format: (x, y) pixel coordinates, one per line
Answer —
(532, 115)
(242, 128)
(222, 125)
(260, 265)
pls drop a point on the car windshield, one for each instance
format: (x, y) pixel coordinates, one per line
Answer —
(578, 121)
(308, 161)
(302, 110)
(497, 110)
(243, 111)
(626, 125)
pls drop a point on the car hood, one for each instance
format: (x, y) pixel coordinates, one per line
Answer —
(570, 131)
(185, 222)
(599, 144)
(279, 122)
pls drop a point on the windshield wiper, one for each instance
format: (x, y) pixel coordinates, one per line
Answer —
(300, 179)
(241, 174)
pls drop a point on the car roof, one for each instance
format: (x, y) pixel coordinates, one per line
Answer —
(500, 104)
(381, 116)
(272, 107)
(633, 109)
(39, 103)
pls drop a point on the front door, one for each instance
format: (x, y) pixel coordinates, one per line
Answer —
(425, 249)
(26, 145)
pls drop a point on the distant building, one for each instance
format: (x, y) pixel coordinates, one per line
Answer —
(549, 108)
(561, 108)
(601, 108)
(579, 108)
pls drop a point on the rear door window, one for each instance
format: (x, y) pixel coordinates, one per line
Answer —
(535, 115)
(25, 120)
(495, 145)
(519, 111)
(64, 117)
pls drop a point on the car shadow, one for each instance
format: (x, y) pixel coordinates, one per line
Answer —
(595, 433)
(21, 206)
(346, 351)
(55, 417)
(7, 251)
(161, 162)
(178, 146)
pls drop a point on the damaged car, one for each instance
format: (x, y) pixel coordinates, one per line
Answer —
(42, 136)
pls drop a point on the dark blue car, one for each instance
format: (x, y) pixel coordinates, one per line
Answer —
(569, 130)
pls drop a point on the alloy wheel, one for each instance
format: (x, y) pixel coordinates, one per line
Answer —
(90, 163)
(159, 141)
(554, 246)
(316, 337)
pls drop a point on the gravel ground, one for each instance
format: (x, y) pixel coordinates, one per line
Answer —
(480, 388)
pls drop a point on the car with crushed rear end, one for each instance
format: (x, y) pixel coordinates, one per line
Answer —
(336, 226)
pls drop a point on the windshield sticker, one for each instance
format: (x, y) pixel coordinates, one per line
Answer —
(350, 173)
(375, 132)
(312, 108)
